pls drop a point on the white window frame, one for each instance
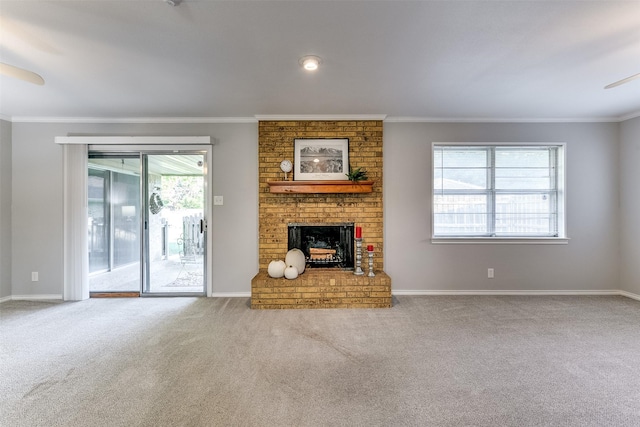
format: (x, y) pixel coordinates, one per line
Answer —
(561, 238)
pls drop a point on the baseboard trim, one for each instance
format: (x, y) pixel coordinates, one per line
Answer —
(37, 297)
(469, 293)
(400, 292)
(630, 295)
(231, 295)
(505, 292)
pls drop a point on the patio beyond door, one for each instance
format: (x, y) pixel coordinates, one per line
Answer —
(147, 223)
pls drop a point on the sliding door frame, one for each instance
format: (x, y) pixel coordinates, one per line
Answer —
(207, 152)
(76, 263)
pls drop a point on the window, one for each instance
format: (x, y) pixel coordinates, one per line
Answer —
(498, 191)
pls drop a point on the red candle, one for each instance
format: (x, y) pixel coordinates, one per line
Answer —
(358, 232)
(370, 248)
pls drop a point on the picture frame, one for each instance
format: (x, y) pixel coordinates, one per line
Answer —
(321, 159)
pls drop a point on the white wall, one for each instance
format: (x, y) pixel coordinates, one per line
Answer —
(5, 209)
(38, 197)
(630, 205)
(589, 262)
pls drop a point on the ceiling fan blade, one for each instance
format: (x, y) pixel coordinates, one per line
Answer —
(623, 81)
(20, 73)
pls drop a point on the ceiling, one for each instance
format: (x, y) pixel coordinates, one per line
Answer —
(422, 60)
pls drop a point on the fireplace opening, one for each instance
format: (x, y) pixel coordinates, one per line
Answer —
(324, 245)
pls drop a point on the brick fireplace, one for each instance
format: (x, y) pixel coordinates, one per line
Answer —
(319, 287)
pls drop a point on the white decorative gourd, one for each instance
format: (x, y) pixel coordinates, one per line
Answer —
(291, 272)
(276, 269)
(295, 257)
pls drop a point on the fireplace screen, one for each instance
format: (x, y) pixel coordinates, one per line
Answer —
(324, 245)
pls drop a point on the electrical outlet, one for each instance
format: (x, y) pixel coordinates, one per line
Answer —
(490, 273)
(34, 276)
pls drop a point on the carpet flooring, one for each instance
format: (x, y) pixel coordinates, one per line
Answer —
(428, 361)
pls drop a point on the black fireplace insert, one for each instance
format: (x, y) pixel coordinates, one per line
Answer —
(324, 245)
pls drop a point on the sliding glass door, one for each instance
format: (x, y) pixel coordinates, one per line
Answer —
(174, 218)
(147, 222)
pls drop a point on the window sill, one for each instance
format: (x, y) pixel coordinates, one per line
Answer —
(501, 240)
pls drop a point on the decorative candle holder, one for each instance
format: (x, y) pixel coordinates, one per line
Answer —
(371, 273)
(358, 271)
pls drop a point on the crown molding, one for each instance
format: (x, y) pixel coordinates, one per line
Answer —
(159, 120)
(314, 117)
(630, 116)
(318, 117)
(409, 119)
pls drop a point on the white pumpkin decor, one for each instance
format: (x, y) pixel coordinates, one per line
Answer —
(276, 269)
(295, 257)
(291, 272)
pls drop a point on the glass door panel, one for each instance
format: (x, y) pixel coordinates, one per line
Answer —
(125, 205)
(98, 220)
(114, 223)
(175, 238)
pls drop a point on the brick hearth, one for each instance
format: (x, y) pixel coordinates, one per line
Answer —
(321, 288)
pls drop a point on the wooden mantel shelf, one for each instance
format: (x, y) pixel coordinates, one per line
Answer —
(308, 187)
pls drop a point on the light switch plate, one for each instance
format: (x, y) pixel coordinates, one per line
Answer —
(218, 200)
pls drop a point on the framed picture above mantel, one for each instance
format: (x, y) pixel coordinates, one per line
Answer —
(321, 159)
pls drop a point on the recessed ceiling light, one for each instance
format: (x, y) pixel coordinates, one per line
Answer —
(310, 62)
